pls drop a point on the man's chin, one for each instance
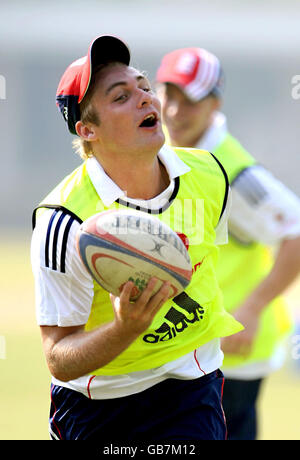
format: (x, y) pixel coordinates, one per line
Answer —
(154, 143)
(158, 141)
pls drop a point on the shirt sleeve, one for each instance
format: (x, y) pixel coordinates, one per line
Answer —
(63, 287)
(263, 209)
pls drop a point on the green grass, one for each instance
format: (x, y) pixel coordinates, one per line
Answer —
(24, 377)
(24, 386)
(25, 380)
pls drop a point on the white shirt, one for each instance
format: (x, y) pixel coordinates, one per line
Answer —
(263, 210)
(64, 289)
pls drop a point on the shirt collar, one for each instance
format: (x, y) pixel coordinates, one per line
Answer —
(173, 164)
(109, 191)
(215, 133)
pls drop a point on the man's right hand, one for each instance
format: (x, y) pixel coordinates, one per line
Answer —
(137, 316)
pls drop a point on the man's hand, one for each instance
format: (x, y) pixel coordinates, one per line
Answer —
(242, 342)
(137, 316)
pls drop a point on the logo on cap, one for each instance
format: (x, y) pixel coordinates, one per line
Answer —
(186, 63)
(66, 113)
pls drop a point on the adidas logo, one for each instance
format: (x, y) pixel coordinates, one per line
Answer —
(177, 320)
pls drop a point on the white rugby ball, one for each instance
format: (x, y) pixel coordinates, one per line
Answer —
(121, 245)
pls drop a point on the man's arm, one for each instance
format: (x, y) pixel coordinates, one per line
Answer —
(72, 352)
(285, 270)
(64, 299)
(264, 210)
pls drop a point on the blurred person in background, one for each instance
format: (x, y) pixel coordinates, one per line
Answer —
(265, 214)
(120, 369)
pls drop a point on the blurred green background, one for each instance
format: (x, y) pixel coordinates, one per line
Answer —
(258, 43)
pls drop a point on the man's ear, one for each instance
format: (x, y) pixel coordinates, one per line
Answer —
(86, 132)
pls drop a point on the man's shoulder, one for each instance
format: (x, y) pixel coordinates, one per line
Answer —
(193, 156)
(65, 184)
(190, 151)
(232, 147)
(207, 172)
(201, 161)
(63, 195)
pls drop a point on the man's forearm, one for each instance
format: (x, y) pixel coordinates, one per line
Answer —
(81, 352)
(285, 270)
(73, 352)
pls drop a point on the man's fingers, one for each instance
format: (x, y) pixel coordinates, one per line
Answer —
(236, 345)
(158, 299)
(125, 293)
(149, 298)
(147, 292)
(148, 301)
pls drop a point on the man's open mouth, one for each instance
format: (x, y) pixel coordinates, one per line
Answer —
(149, 121)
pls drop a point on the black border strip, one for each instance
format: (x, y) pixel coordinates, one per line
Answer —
(55, 238)
(65, 212)
(64, 245)
(48, 237)
(226, 182)
(53, 206)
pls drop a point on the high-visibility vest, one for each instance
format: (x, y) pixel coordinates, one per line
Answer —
(194, 317)
(242, 267)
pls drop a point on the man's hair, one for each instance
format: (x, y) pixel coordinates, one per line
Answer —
(88, 113)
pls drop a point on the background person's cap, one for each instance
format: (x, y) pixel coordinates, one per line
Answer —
(196, 71)
(76, 79)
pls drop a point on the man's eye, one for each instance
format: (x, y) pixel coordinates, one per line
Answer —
(121, 97)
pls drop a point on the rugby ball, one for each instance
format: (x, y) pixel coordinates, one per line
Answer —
(121, 245)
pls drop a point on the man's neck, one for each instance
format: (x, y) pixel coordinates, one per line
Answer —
(214, 135)
(140, 178)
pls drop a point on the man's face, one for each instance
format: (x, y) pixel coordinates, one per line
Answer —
(128, 110)
(185, 120)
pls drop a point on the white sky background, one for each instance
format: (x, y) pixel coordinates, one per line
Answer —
(235, 25)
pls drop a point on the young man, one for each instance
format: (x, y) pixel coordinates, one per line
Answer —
(263, 213)
(123, 370)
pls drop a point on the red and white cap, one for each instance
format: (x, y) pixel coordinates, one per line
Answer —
(76, 79)
(196, 71)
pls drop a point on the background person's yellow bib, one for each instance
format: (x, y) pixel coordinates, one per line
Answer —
(242, 267)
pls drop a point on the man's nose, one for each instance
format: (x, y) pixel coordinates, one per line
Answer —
(146, 98)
